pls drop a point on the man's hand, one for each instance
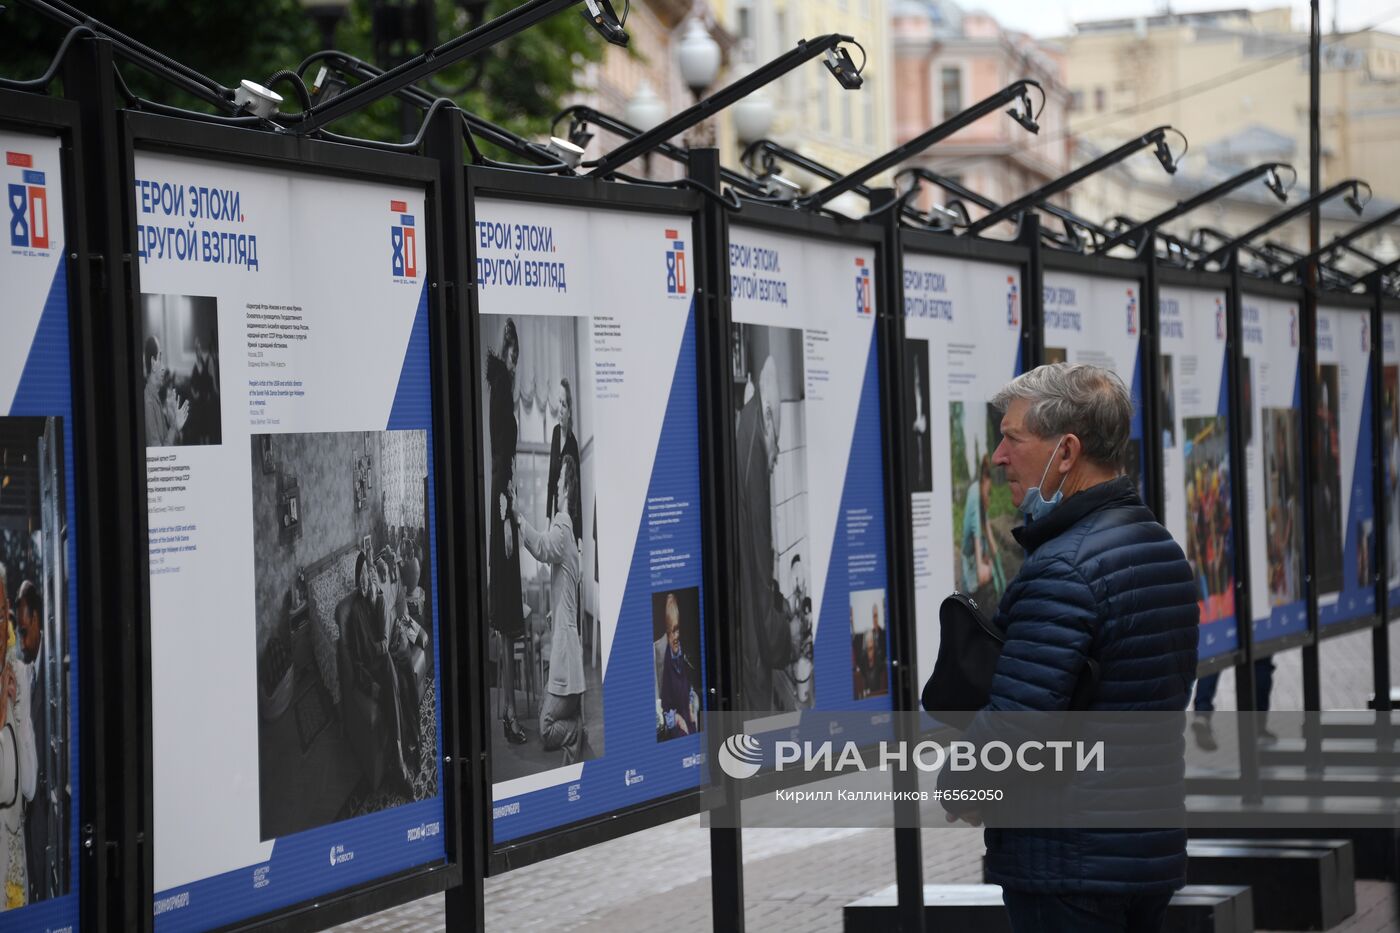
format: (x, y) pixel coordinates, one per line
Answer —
(680, 724)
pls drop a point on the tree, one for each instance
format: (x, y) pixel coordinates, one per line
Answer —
(522, 83)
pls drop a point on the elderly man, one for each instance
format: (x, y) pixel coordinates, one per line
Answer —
(769, 640)
(1101, 579)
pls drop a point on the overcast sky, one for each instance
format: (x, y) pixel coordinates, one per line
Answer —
(1056, 17)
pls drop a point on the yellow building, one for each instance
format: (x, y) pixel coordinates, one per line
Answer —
(1236, 83)
(813, 114)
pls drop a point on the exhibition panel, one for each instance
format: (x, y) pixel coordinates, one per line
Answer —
(962, 330)
(1193, 409)
(1272, 390)
(586, 376)
(40, 564)
(1092, 313)
(1342, 470)
(809, 464)
(286, 370)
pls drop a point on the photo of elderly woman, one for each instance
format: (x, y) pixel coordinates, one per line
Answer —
(545, 661)
(180, 371)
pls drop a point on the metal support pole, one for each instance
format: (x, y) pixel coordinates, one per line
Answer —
(126, 870)
(908, 843)
(464, 761)
(1312, 680)
(1380, 635)
(717, 432)
(1033, 294)
(1150, 351)
(1239, 520)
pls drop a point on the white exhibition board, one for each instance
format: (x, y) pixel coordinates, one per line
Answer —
(603, 300)
(1098, 320)
(962, 323)
(804, 308)
(1273, 462)
(39, 754)
(287, 418)
(1343, 500)
(1195, 444)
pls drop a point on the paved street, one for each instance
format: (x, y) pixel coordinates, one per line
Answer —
(799, 879)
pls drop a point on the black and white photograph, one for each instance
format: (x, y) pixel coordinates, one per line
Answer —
(545, 650)
(775, 623)
(34, 672)
(675, 631)
(1168, 404)
(1328, 507)
(180, 371)
(916, 402)
(347, 697)
(869, 653)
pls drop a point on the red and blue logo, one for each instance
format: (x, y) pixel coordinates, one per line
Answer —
(1013, 302)
(864, 306)
(675, 264)
(1132, 313)
(29, 204)
(403, 240)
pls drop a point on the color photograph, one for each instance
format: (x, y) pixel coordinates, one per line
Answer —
(985, 555)
(1283, 514)
(1209, 534)
(1390, 418)
(1328, 508)
(675, 630)
(34, 670)
(869, 649)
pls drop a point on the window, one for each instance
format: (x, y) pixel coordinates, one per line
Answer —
(824, 106)
(847, 119)
(1076, 101)
(950, 90)
(1100, 99)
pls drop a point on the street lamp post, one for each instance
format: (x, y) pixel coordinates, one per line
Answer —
(698, 56)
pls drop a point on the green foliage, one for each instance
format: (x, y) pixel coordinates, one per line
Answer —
(520, 84)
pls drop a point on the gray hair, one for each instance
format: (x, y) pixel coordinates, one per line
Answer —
(1087, 401)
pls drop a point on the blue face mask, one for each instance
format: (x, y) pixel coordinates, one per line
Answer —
(1036, 506)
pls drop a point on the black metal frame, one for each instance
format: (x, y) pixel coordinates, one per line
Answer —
(89, 883)
(150, 133)
(576, 192)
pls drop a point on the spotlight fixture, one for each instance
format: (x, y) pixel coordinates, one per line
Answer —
(258, 100)
(780, 186)
(1164, 155)
(1353, 197)
(838, 62)
(604, 19)
(565, 151)
(1026, 115)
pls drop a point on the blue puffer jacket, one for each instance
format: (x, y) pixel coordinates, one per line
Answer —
(1103, 579)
